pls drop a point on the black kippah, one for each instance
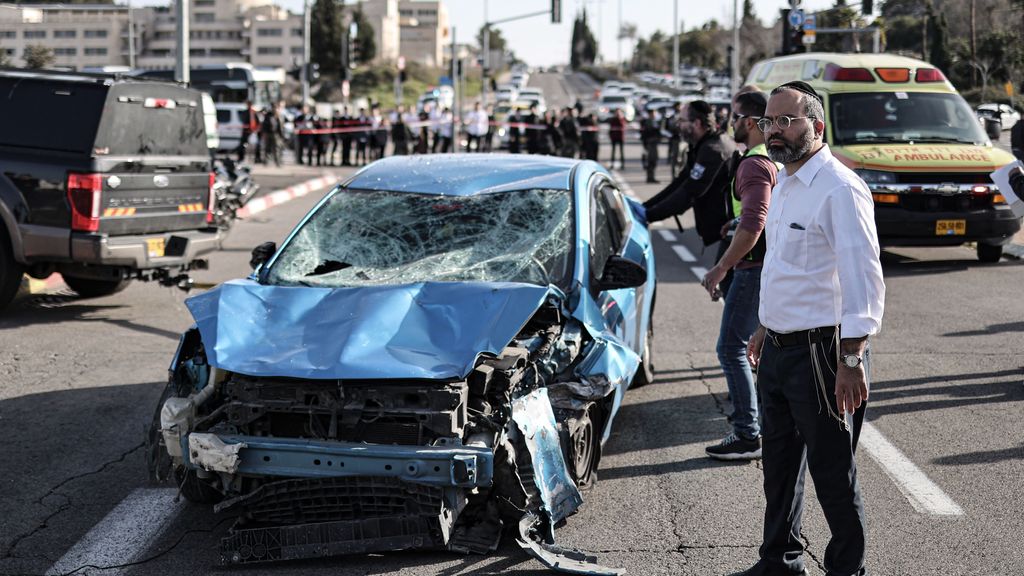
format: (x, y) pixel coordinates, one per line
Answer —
(801, 86)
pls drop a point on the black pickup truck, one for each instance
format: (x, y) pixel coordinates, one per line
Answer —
(102, 179)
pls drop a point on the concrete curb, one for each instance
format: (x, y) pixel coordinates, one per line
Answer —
(1015, 251)
(278, 197)
(55, 282)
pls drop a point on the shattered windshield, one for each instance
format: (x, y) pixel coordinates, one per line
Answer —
(369, 238)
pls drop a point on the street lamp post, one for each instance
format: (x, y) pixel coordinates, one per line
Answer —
(181, 70)
(675, 43)
(131, 37)
(305, 52)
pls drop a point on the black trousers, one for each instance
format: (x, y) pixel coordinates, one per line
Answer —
(799, 434)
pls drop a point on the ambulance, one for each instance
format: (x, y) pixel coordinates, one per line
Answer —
(902, 126)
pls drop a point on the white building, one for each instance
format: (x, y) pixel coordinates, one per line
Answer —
(424, 31)
(221, 31)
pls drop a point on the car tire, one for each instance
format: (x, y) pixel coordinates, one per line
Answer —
(645, 372)
(990, 253)
(93, 287)
(11, 271)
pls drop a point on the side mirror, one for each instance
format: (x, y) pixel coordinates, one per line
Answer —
(621, 272)
(262, 253)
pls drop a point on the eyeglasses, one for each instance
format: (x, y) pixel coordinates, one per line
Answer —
(736, 116)
(783, 122)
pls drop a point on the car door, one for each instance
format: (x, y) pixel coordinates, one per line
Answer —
(609, 231)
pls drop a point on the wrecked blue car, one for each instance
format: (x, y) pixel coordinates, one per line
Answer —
(437, 351)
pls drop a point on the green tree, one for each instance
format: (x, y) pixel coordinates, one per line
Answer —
(365, 37)
(326, 36)
(38, 56)
(496, 42)
(583, 45)
(938, 44)
(749, 16)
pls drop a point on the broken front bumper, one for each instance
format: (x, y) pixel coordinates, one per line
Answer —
(456, 465)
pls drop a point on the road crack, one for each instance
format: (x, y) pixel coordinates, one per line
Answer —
(54, 491)
(807, 550)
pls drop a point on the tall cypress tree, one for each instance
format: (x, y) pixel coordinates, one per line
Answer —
(326, 36)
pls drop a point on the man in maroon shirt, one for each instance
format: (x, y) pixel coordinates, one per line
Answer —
(617, 134)
(749, 193)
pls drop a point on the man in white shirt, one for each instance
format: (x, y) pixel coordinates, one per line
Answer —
(821, 297)
(476, 128)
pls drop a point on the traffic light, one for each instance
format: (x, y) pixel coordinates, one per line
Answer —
(296, 73)
(313, 72)
(866, 7)
(796, 43)
(556, 11)
(355, 52)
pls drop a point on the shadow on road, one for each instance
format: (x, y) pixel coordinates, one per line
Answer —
(992, 329)
(896, 265)
(950, 391)
(983, 457)
(69, 307)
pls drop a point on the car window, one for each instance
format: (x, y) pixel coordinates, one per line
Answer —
(607, 228)
(873, 117)
(363, 238)
(224, 116)
(47, 115)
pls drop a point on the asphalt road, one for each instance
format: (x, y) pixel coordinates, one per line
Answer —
(80, 378)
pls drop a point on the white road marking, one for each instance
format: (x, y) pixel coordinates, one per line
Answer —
(924, 495)
(667, 235)
(129, 529)
(684, 254)
(699, 271)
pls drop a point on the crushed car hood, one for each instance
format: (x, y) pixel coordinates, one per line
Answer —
(432, 330)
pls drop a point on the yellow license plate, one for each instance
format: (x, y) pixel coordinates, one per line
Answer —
(950, 227)
(155, 247)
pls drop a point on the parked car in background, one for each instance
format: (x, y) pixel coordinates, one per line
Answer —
(435, 356)
(230, 125)
(506, 93)
(607, 106)
(1003, 113)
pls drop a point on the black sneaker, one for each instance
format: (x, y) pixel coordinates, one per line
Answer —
(732, 447)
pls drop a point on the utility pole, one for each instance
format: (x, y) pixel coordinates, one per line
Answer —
(182, 72)
(456, 113)
(305, 52)
(675, 43)
(619, 37)
(974, 49)
(487, 56)
(734, 80)
(131, 37)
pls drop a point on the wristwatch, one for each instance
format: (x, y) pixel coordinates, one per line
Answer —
(851, 360)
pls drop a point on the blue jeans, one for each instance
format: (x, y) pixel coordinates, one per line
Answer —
(739, 321)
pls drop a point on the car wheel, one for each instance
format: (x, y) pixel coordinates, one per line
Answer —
(585, 447)
(989, 252)
(10, 270)
(93, 287)
(645, 372)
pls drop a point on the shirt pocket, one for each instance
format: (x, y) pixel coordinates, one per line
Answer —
(793, 249)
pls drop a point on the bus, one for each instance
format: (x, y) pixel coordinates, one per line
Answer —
(231, 82)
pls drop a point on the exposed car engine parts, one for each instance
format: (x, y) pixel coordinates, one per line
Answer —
(316, 468)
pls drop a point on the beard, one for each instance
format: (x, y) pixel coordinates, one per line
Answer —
(786, 152)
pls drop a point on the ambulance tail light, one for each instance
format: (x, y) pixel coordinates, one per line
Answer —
(211, 203)
(839, 74)
(929, 75)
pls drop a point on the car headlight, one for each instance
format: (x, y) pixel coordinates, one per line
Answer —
(876, 176)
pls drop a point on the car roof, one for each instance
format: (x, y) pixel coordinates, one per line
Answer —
(465, 174)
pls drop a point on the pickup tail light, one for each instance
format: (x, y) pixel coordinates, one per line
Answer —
(998, 199)
(211, 200)
(85, 193)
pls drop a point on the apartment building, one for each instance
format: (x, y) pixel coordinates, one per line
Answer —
(424, 31)
(220, 31)
(85, 35)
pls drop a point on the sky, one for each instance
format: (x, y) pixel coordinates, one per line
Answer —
(540, 43)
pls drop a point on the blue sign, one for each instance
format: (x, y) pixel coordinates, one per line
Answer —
(796, 18)
(445, 81)
(810, 23)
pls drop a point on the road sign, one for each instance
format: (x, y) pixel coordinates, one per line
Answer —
(810, 23)
(794, 3)
(796, 17)
(809, 37)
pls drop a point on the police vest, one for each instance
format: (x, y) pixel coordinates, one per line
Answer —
(759, 250)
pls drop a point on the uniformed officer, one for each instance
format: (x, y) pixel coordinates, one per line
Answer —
(650, 135)
(702, 181)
